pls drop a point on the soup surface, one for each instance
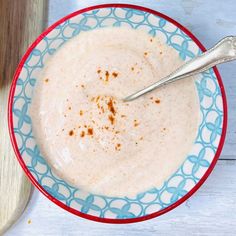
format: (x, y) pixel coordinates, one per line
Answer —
(93, 139)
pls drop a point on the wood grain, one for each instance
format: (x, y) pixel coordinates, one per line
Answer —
(21, 21)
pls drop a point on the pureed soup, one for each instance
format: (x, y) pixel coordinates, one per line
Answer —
(94, 140)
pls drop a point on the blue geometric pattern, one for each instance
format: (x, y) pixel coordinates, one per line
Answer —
(196, 163)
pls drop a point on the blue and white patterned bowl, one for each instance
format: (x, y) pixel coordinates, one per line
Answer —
(190, 175)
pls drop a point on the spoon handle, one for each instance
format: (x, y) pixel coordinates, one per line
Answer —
(223, 51)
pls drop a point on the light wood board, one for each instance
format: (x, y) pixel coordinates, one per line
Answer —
(20, 21)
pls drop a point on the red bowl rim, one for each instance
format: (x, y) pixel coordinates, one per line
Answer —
(62, 205)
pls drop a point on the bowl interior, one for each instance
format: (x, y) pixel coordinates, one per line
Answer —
(89, 205)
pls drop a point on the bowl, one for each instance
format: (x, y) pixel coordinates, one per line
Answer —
(197, 165)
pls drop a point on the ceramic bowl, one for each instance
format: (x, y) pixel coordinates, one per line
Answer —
(183, 182)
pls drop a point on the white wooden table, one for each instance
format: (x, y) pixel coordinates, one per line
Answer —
(212, 210)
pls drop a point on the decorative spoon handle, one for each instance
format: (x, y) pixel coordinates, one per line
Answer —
(222, 52)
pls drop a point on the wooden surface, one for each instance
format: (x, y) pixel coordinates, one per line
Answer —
(212, 210)
(21, 21)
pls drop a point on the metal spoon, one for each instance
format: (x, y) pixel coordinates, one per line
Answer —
(223, 51)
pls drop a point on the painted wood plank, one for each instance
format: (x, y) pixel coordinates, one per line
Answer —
(211, 211)
(21, 22)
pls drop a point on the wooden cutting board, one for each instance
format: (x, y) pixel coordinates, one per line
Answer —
(21, 21)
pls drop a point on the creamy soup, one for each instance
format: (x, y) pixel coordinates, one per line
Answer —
(94, 140)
